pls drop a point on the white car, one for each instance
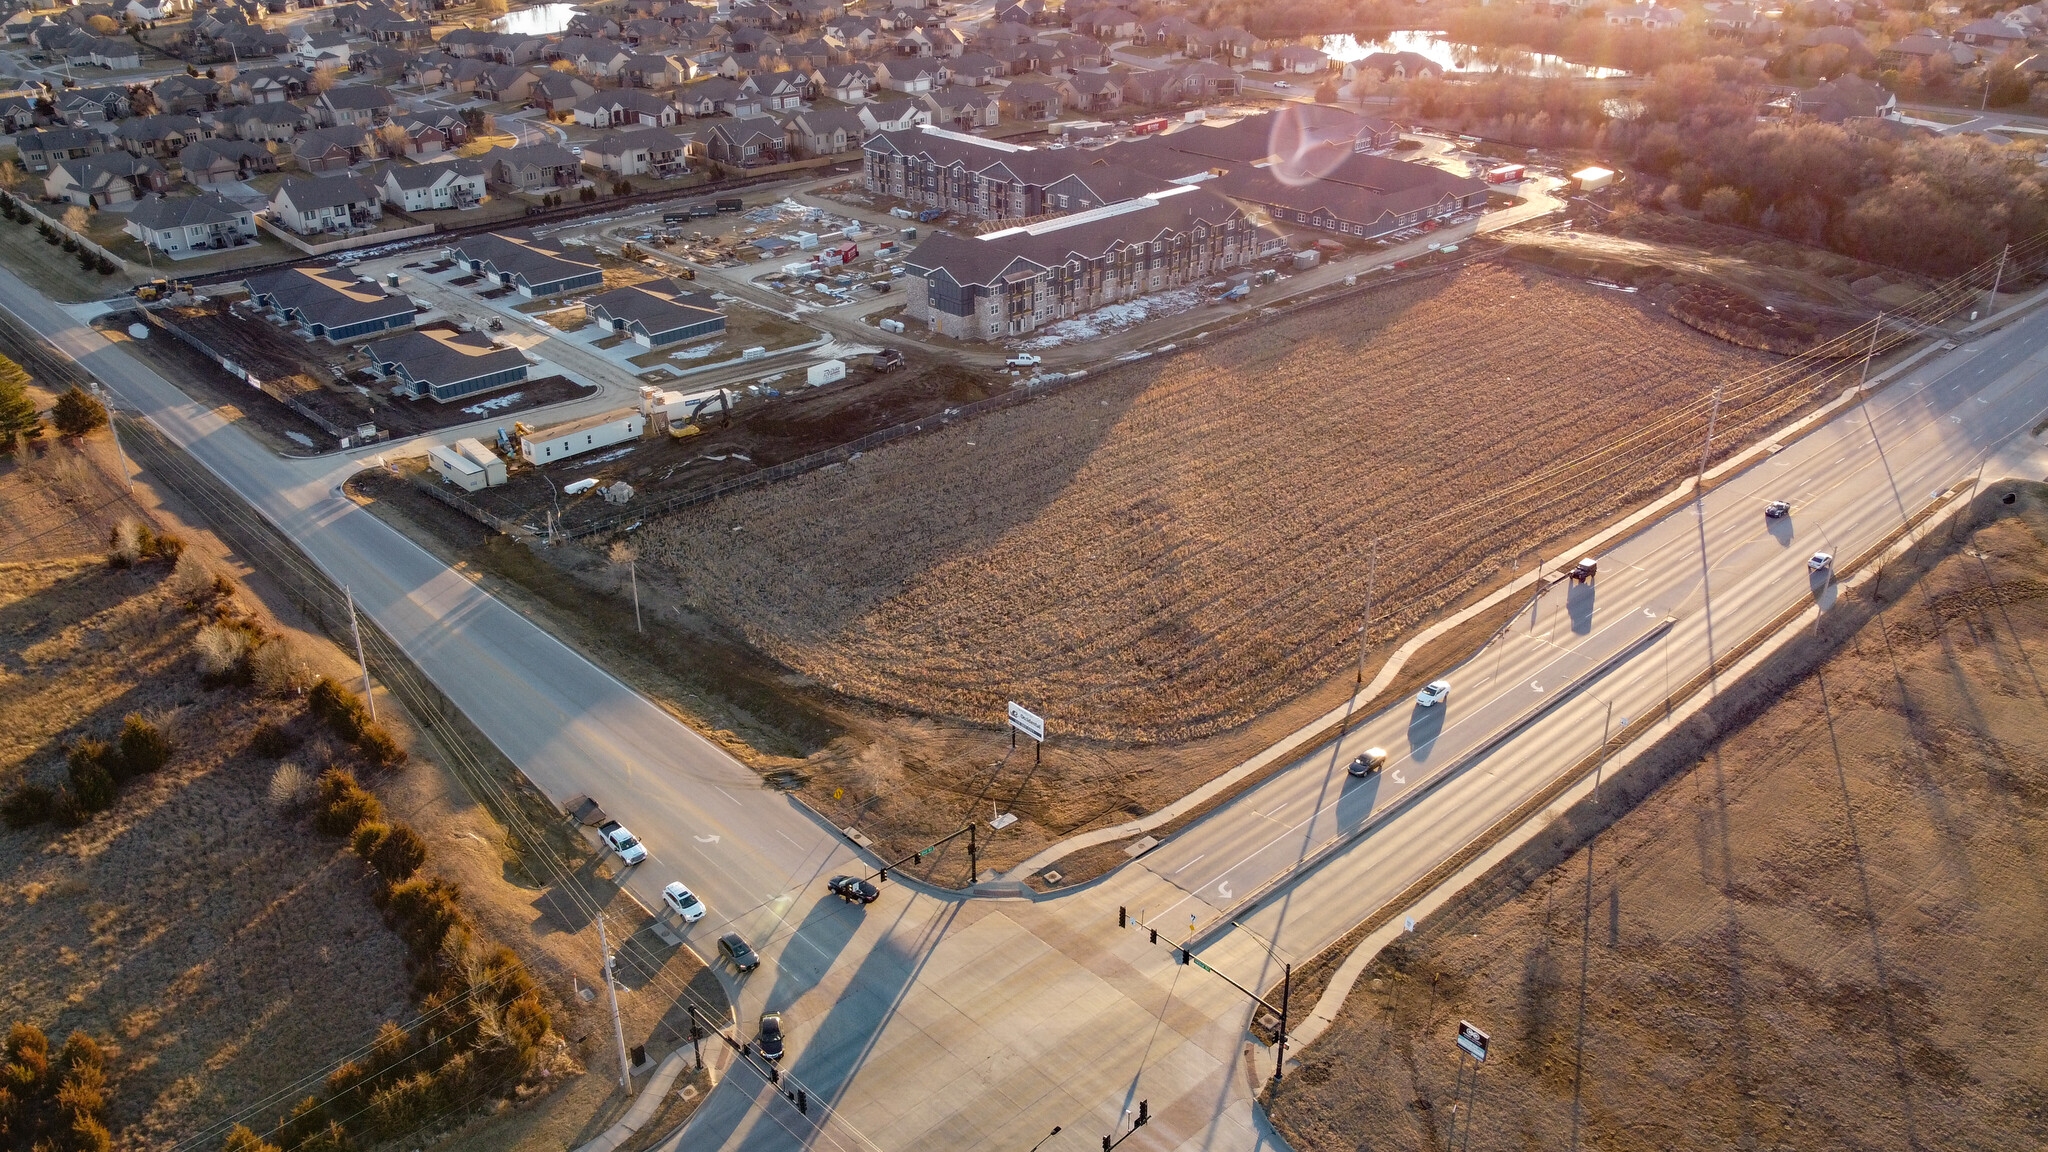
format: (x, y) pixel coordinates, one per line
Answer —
(1022, 360)
(1821, 562)
(683, 902)
(1436, 693)
(1282, 84)
(619, 840)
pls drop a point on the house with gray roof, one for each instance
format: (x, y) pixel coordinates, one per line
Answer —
(424, 187)
(326, 204)
(445, 365)
(515, 258)
(180, 226)
(111, 178)
(328, 303)
(224, 161)
(657, 313)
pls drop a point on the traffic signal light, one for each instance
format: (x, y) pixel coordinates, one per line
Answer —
(884, 877)
(1144, 1113)
(803, 1102)
(1122, 917)
(1106, 1145)
(1155, 935)
(774, 1074)
(1183, 955)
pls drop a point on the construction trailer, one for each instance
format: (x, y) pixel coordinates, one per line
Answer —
(567, 440)
(472, 449)
(457, 469)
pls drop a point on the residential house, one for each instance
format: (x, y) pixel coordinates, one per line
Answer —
(182, 224)
(109, 52)
(187, 94)
(1093, 93)
(626, 106)
(783, 91)
(508, 83)
(1207, 80)
(656, 70)
(110, 178)
(637, 151)
(558, 93)
(1032, 103)
(909, 75)
(656, 313)
(1927, 50)
(363, 104)
(320, 47)
(1300, 60)
(718, 96)
(824, 131)
(1843, 98)
(17, 114)
(326, 204)
(455, 184)
(419, 134)
(973, 109)
(336, 149)
(272, 123)
(973, 69)
(42, 150)
(82, 106)
(846, 83)
(446, 364)
(380, 62)
(515, 258)
(535, 167)
(270, 85)
(1992, 35)
(160, 136)
(330, 304)
(224, 161)
(745, 141)
(1155, 89)
(1107, 24)
(894, 116)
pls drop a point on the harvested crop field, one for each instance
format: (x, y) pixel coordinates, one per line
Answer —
(1177, 547)
(1821, 930)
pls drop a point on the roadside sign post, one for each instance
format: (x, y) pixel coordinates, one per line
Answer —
(1031, 724)
(1473, 1043)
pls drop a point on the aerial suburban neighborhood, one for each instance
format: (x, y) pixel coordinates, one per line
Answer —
(1010, 576)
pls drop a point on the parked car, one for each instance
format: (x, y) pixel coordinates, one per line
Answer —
(1022, 360)
(852, 889)
(1821, 562)
(683, 902)
(1777, 509)
(734, 948)
(770, 1040)
(1436, 693)
(1282, 84)
(619, 840)
(1369, 762)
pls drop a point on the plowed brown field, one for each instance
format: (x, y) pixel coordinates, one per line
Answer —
(1170, 551)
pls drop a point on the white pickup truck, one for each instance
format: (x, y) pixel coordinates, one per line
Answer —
(619, 840)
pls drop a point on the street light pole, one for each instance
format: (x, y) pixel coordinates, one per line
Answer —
(612, 993)
(1372, 568)
(1049, 1135)
(1991, 305)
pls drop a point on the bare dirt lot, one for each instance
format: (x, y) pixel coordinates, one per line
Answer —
(1176, 550)
(1823, 930)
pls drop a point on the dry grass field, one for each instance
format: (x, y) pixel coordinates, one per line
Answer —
(1821, 929)
(187, 924)
(1175, 550)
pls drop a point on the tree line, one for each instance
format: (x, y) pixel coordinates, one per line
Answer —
(1692, 139)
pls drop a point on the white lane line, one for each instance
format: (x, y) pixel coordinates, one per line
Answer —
(1184, 867)
(729, 796)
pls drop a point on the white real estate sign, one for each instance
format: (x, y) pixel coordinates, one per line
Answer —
(1026, 721)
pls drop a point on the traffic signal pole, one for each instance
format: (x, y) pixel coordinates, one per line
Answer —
(1184, 956)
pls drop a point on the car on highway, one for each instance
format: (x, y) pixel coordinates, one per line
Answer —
(769, 1042)
(1022, 360)
(1435, 693)
(1821, 562)
(852, 889)
(1282, 84)
(621, 841)
(1777, 510)
(683, 902)
(1368, 762)
(735, 949)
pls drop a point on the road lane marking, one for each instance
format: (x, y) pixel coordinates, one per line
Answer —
(729, 796)
(1184, 867)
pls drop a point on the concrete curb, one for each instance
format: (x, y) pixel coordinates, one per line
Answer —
(1345, 979)
(1294, 743)
(644, 1105)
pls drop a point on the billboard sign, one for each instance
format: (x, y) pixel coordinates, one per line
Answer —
(1472, 1040)
(1026, 721)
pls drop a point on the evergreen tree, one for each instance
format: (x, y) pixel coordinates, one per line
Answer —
(17, 411)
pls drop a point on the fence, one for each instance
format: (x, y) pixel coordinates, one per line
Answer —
(40, 217)
(240, 373)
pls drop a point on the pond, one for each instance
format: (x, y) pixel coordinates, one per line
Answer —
(540, 20)
(1463, 58)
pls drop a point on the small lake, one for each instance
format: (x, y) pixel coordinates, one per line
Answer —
(1463, 58)
(541, 20)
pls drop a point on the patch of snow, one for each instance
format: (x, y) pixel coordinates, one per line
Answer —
(696, 353)
(1114, 318)
(493, 404)
(614, 454)
(300, 438)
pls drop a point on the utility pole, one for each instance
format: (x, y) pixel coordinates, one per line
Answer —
(611, 991)
(1876, 327)
(1280, 1056)
(973, 856)
(357, 631)
(1372, 568)
(1996, 278)
(1606, 729)
(634, 576)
